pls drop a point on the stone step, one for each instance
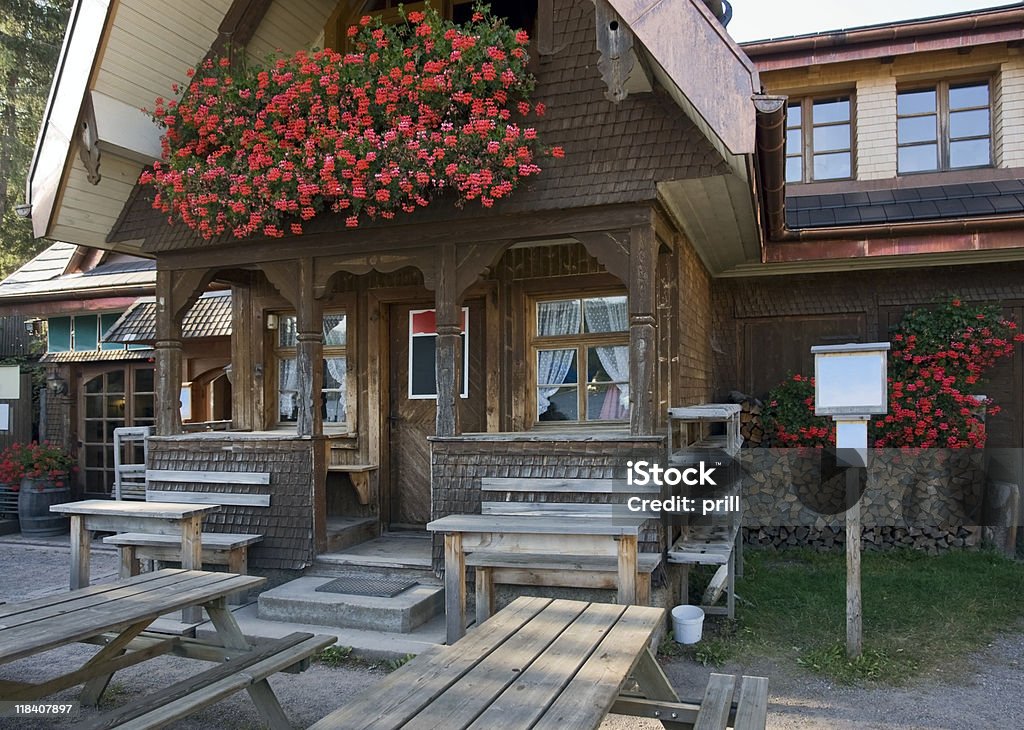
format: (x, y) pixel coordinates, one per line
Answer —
(298, 601)
(369, 644)
(344, 532)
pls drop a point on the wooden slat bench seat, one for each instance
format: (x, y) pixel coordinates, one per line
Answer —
(242, 671)
(573, 571)
(218, 548)
(587, 539)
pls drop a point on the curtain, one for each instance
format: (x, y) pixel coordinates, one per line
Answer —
(288, 386)
(336, 368)
(555, 318)
(610, 315)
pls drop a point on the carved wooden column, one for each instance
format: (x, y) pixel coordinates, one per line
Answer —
(643, 354)
(176, 292)
(448, 318)
(309, 353)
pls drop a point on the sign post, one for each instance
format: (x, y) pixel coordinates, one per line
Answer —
(851, 385)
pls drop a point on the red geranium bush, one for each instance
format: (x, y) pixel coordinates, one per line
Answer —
(34, 460)
(936, 363)
(415, 110)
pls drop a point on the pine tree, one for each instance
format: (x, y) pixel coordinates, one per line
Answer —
(31, 32)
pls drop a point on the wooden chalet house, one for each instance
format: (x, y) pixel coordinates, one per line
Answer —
(894, 180)
(381, 371)
(96, 313)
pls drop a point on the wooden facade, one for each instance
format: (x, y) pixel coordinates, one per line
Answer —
(654, 194)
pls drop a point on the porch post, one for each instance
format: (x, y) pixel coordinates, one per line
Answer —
(642, 345)
(309, 353)
(448, 357)
(168, 357)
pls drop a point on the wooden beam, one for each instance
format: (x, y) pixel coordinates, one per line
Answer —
(284, 275)
(309, 351)
(610, 248)
(238, 26)
(448, 356)
(643, 355)
(474, 260)
(416, 234)
(168, 357)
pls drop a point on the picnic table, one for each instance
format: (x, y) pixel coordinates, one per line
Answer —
(158, 518)
(552, 534)
(115, 615)
(546, 664)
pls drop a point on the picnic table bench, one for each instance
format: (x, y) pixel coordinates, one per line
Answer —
(116, 616)
(549, 665)
(556, 543)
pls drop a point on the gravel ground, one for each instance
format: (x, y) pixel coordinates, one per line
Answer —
(987, 696)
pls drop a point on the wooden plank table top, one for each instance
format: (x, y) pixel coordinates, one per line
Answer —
(144, 510)
(539, 524)
(35, 626)
(538, 663)
(161, 518)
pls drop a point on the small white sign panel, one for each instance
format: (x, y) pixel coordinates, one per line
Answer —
(10, 382)
(5, 416)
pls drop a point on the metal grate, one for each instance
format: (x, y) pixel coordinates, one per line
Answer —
(379, 587)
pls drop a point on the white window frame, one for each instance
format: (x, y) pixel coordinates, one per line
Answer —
(465, 355)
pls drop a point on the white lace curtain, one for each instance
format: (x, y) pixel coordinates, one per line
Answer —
(610, 315)
(336, 401)
(555, 318)
(288, 386)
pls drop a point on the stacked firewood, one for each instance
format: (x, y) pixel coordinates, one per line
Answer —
(751, 427)
(926, 539)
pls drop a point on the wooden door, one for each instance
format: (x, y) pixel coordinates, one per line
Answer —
(412, 412)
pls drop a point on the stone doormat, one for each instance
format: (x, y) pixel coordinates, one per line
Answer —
(377, 587)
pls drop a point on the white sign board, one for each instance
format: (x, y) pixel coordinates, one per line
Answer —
(850, 379)
(5, 417)
(10, 382)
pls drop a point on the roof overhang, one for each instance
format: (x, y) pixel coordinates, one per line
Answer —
(963, 30)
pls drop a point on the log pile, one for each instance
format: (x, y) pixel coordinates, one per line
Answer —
(751, 427)
(927, 539)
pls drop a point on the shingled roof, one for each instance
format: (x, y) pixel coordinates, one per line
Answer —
(210, 316)
(615, 153)
(906, 205)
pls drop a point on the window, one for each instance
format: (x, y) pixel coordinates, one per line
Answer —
(943, 127)
(83, 333)
(422, 354)
(819, 140)
(581, 356)
(333, 398)
(112, 398)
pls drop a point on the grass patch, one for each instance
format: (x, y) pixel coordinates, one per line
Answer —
(343, 656)
(920, 612)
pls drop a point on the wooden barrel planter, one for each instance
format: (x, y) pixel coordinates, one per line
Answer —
(34, 500)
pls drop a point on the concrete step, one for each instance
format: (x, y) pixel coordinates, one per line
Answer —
(344, 532)
(374, 645)
(298, 601)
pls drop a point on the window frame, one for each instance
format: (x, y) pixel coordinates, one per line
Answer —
(580, 342)
(807, 127)
(280, 352)
(465, 355)
(943, 140)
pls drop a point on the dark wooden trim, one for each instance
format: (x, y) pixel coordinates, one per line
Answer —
(610, 248)
(238, 26)
(642, 342)
(393, 238)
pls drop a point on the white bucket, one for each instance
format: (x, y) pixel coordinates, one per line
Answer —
(687, 624)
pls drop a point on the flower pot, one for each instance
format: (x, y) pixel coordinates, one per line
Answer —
(34, 500)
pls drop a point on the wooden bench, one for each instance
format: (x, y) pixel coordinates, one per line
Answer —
(218, 548)
(359, 475)
(245, 670)
(556, 564)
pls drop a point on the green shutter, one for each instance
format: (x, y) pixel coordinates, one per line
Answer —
(58, 334)
(86, 339)
(106, 322)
